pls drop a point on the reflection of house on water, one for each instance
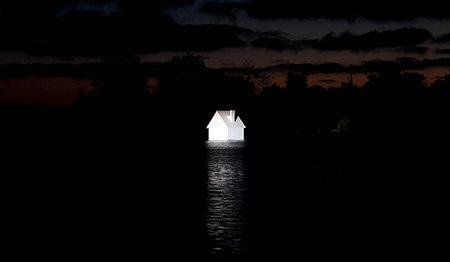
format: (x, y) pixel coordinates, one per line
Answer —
(225, 196)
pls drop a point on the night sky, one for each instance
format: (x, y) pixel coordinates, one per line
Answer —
(329, 39)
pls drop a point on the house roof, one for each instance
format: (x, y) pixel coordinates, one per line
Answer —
(224, 115)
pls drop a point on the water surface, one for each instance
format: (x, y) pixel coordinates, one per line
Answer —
(225, 196)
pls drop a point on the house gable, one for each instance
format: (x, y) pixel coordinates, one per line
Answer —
(239, 122)
(217, 122)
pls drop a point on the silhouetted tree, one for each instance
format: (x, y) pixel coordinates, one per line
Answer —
(227, 91)
(117, 104)
(395, 100)
(181, 88)
(296, 83)
(295, 101)
(255, 76)
(396, 83)
(438, 106)
(181, 77)
(345, 102)
(122, 84)
(349, 84)
(273, 91)
(441, 85)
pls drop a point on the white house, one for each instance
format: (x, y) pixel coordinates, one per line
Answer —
(225, 126)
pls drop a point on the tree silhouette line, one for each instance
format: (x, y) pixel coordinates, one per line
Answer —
(188, 93)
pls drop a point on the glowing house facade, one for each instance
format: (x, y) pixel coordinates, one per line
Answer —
(225, 126)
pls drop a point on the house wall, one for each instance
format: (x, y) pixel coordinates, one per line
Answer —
(236, 134)
(217, 133)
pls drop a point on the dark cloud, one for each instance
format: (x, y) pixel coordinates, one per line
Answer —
(33, 7)
(206, 37)
(329, 81)
(86, 70)
(309, 67)
(89, 34)
(274, 40)
(372, 66)
(406, 38)
(181, 2)
(227, 9)
(274, 43)
(279, 61)
(399, 64)
(420, 50)
(74, 28)
(444, 51)
(382, 10)
(146, 6)
(443, 38)
(137, 27)
(228, 65)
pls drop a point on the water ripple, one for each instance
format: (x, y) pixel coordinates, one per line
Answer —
(225, 197)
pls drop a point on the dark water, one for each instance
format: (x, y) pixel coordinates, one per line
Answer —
(225, 196)
(322, 197)
(319, 196)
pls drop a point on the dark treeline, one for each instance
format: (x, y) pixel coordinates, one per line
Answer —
(188, 93)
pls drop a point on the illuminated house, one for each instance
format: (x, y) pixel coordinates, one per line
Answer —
(225, 126)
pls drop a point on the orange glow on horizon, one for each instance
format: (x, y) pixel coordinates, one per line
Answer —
(55, 90)
(60, 91)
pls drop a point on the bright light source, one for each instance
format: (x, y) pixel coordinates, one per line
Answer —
(225, 126)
